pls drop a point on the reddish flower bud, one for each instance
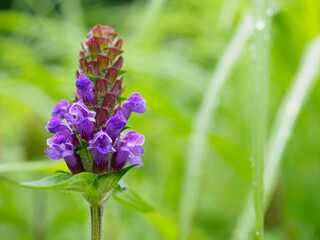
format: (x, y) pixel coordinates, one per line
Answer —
(93, 68)
(83, 64)
(112, 74)
(109, 101)
(103, 62)
(101, 87)
(101, 117)
(117, 88)
(113, 52)
(94, 47)
(118, 63)
(118, 44)
(104, 43)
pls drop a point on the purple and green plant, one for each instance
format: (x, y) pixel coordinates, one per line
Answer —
(91, 132)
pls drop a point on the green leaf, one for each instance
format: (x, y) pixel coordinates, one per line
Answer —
(82, 183)
(128, 198)
(120, 99)
(84, 143)
(93, 188)
(109, 181)
(121, 186)
(125, 128)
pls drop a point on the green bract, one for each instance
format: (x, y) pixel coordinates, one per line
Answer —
(94, 189)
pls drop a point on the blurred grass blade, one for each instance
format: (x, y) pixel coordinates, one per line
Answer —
(288, 112)
(258, 82)
(30, 95)
(285, 119)
(131, 200)
(192, 171)
(34, 166)
(151, 12)
(227, 14)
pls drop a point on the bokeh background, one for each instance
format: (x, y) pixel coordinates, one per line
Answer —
(171, 50)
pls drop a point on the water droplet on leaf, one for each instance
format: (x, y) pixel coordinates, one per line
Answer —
(260, 24)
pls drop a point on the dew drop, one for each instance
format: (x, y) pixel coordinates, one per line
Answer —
(260, 24)
(257, 233)
(255, 184)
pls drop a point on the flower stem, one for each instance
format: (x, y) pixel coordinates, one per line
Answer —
(96, 213)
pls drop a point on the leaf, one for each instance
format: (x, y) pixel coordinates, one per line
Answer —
(82, 183)
(93, 188)
(120, 99)
(109, 181)
(128, 198)
(121, 186)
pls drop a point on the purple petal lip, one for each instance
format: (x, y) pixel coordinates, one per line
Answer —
(130, 149)
(84, 119)
(102, 142)
(84, 86)
(101, 146)
(56, 125)
(136, 161)
(84, 83)
(81, 112)
(59, 147)
(115, 124)
(135, 103)
(61, 110)
(133, 138)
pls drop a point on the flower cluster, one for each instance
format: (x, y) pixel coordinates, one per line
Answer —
(88, 131)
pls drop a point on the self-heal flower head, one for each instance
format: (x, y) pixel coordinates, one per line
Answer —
(90, 138)
(61, 110)
(101, 146)
(129, 150)
(135, 103)
(84, 86)
(61, 147)
(84, 119)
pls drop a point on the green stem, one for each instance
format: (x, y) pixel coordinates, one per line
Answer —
(96, 213)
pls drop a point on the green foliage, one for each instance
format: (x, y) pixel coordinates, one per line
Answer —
(107, 182)
(92, 187)
(171, 49)
(128, 198)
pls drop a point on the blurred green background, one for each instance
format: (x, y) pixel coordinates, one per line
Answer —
(171, 50)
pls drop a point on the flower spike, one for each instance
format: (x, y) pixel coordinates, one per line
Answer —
(88, 131)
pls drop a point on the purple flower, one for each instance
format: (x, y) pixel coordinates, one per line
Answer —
(56, 125)
(135, 103)
(97, 104)
(101, 146)
(61, 110)
(84, 119)
(61, 147)
(84, 86)
(129, 150)
(115, 124)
